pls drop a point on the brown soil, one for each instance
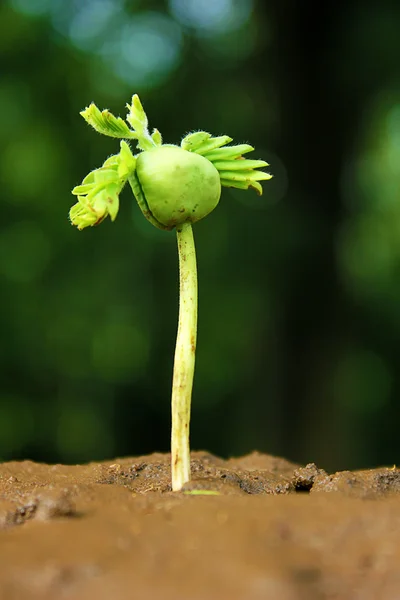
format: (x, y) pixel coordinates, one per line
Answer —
(115, 531)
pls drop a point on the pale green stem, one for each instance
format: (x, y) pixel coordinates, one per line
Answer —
(184, 357)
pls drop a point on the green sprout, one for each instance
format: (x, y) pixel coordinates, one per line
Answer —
(174, 187)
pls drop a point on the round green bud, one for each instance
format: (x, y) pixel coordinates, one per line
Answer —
(178, 186)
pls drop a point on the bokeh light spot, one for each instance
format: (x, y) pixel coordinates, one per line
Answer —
(146, 50)
(92, 21)
(218, 16)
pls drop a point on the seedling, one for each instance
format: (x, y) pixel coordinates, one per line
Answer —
(174, 186)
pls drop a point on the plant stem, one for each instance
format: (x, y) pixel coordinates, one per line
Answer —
(184, 357)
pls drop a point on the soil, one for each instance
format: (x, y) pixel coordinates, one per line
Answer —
(251, 528)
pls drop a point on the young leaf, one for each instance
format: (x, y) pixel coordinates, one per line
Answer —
(193, 140)
(126, 161)
(239, 165)
(229, 152)
(156, 137)
(245, 175)
(106, 123)
(137, 119)
(212, 144)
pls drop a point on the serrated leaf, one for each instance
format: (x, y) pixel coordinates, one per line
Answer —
(106, 123)
(116, 124)
(137, 118)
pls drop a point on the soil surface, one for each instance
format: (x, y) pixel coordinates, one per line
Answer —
(251, 528)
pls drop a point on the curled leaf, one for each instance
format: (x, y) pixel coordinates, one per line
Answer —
(106, 123)
(93, 206)
(98, 195)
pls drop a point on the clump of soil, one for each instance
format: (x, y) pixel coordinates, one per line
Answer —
(251, 528)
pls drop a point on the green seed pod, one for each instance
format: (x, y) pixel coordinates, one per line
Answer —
(177, 186)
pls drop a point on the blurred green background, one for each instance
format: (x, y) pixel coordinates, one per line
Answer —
(299, 324)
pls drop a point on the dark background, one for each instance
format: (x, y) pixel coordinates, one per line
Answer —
(299, 324)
